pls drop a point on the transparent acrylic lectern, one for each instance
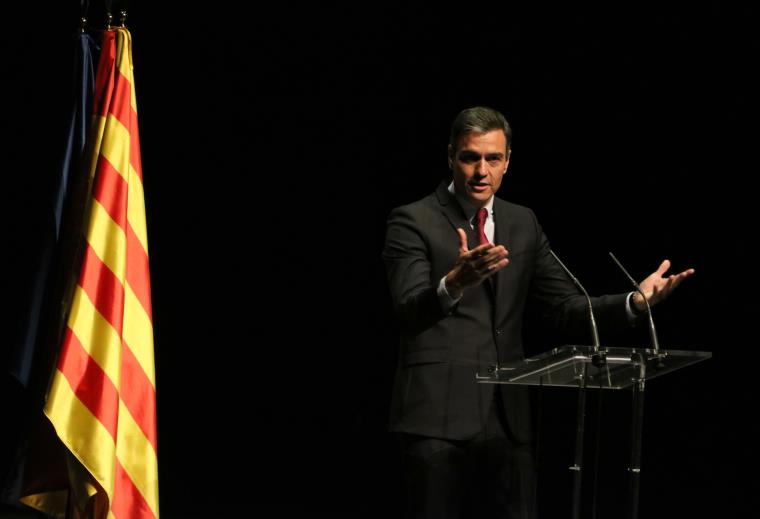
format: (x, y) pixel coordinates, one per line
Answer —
(584, 367)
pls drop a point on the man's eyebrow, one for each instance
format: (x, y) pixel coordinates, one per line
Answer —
(475, 153)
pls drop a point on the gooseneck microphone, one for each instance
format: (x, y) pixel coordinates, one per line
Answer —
(592, 319)
(652, 331)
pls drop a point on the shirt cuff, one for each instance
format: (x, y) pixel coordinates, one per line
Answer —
(447, 302)
(630, 309)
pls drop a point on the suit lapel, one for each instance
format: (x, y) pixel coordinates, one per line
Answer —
(501, 237)
(501, 220)
(454, 214)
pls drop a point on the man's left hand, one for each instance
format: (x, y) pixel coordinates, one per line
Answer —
(656, 287)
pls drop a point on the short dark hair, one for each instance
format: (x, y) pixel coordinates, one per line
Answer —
(479, 119)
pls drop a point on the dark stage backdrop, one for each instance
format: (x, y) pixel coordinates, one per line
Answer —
(276, 142)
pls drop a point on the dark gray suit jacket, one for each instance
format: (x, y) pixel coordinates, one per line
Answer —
(435, 393)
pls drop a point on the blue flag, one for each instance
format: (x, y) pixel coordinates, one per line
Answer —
(31, 356)
(22, 355)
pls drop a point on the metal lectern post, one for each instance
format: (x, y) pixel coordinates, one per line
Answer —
(580, 422)
(637, 420)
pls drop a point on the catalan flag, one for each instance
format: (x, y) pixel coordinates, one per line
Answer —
(101, 400)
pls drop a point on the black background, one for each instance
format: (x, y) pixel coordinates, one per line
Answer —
(276, 141)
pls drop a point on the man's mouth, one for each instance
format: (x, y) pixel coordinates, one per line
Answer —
(479, 187)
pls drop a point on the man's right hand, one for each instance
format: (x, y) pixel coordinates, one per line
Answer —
(474, 266)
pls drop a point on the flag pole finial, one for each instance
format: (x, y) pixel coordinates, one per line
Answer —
(123, 18)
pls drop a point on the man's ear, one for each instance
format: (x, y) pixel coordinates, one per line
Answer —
(450, 152)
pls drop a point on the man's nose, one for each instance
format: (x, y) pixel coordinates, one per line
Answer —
(482, 167)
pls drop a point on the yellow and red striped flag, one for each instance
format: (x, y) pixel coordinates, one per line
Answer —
(102, 397)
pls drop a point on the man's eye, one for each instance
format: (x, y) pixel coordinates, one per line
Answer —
(469, 158)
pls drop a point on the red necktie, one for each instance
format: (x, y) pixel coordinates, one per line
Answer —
(481, 216)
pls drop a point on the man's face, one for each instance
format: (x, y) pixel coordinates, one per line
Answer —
(479, 163)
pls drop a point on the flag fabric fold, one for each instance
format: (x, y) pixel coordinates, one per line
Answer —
(101, 400)
(32, 357)
(22, 357)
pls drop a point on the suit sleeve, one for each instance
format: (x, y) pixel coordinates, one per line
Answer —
(407, 263)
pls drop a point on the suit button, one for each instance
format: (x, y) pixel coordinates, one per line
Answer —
(499, 331)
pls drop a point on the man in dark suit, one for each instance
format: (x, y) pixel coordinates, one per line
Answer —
(461, 265)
